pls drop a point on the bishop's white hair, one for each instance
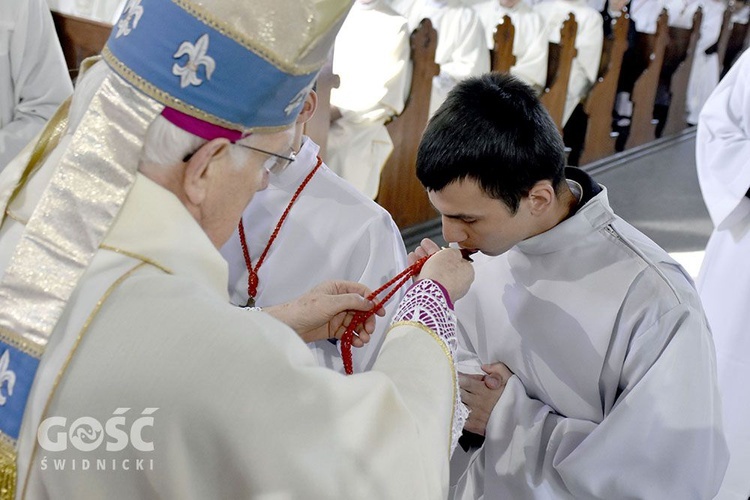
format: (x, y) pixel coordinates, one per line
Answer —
(167, 144)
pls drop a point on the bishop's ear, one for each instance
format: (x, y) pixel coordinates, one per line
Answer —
(308, 108)
(199, 169)
(541, 197)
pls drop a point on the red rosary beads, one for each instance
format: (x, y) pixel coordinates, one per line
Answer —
(252, 276)
(360, 317)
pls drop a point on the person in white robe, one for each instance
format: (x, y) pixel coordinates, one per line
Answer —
(704, 75)
(529, 49)
(345, 235)
(461, 49)
(137, 339)
(103, 11)
(681, 15)
(722, 149)
(34, 79)
(681, 12)
(371, 58)
(740, 16)
(589, 365)
(589, 39)
(644, 16)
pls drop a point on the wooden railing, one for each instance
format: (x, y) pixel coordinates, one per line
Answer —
(80, 38)
(559, 66)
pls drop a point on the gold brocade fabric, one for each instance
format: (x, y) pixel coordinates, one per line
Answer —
(87, 190)
(294, 36)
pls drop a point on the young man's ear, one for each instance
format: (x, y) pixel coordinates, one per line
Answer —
(541, 196)
(308, 108)
(198, 168)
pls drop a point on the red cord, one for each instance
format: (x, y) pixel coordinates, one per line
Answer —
(252, 272)
(360, 317)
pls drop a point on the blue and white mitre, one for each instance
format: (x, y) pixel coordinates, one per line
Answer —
(217, 68)
(248, 74)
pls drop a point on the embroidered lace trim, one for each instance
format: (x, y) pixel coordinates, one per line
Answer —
(427, 304)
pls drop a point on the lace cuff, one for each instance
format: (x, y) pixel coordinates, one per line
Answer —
(427, 303)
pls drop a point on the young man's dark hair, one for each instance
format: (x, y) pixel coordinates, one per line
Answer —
(492, 129)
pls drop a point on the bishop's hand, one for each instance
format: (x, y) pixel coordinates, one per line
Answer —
(323, 312)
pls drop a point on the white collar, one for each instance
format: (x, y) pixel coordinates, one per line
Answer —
(307, 158)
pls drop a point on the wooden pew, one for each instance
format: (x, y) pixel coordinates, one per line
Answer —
(723, 43)
(317, 127)
(502, 55)
(735, 45)
(598, 107)
(558, 71)
(651, 47)
(80, 38)
(400, 191)
(679, 38)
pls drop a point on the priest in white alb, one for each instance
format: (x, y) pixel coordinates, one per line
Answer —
(704, 74)
(125, 372)
(529, 49)
(34, 80)
(462, 48)
(371, 58)
(722, 150)
(331, 231)
(588, 44)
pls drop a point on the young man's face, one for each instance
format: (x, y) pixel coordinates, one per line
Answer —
(477, 222)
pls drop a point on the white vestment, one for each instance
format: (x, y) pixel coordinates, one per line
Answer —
(614, 391)
(103, 11)
(704, 75)
(722, 152)
(243, 409)
(589, 39)
(530, 49)
(681, 12)
(332, 232)
(34, 80)
(645, 14)
(371, 56)
(461, 49)
(741, 15)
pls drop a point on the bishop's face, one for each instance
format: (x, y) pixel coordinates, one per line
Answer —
(476, 221)
(242, 174)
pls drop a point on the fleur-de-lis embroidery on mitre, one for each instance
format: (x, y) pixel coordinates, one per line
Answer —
(132, 12)
(6, 376)
(196, 57)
